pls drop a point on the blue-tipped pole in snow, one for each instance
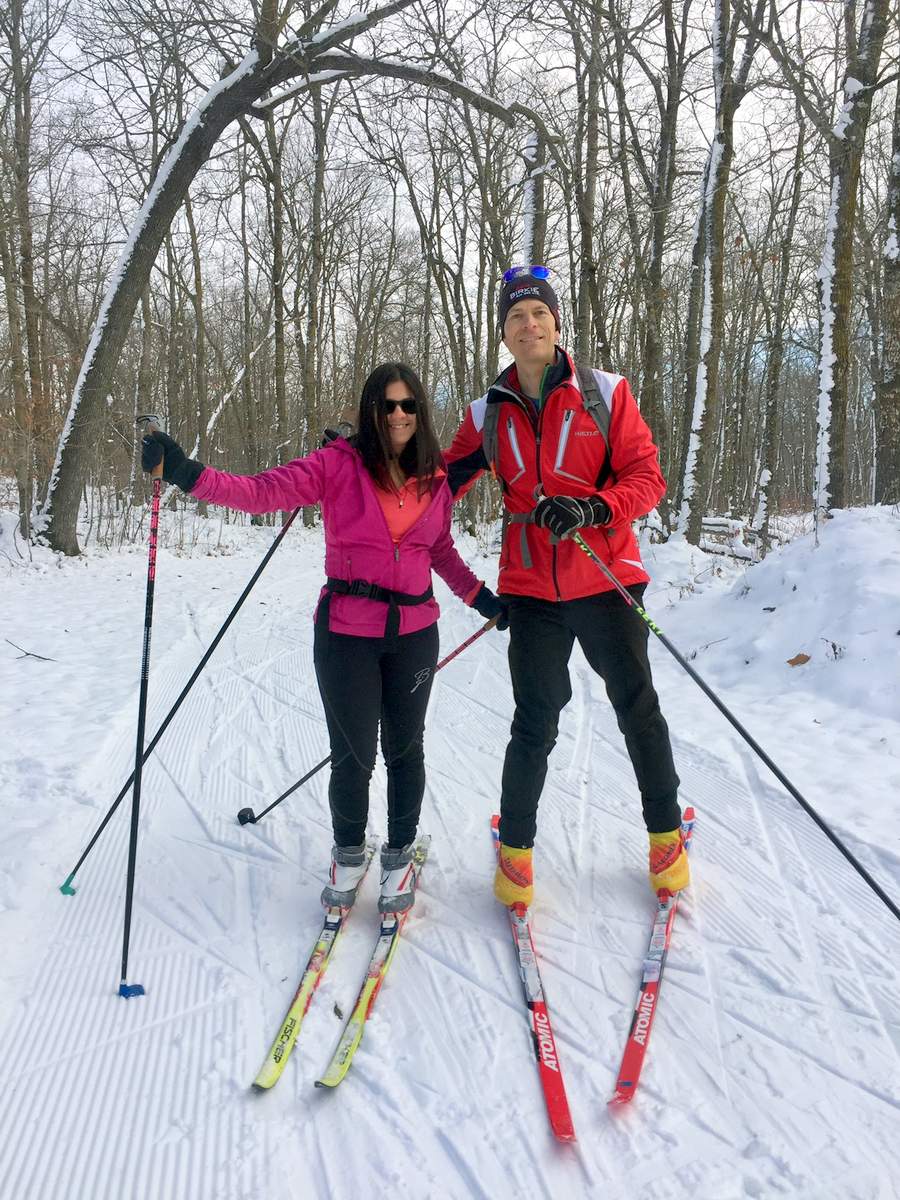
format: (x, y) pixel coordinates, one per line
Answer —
(729, 716)
(127, 990)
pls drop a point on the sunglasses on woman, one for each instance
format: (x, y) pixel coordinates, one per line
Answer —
(407, 406)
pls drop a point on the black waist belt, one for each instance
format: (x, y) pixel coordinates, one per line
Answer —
(374, 591)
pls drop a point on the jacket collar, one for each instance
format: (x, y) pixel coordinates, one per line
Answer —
(506, 386)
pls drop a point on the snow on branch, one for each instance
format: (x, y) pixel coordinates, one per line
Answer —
(220, 407)
(168, 165)
(301, 85)
(353, 65)
(342, 31)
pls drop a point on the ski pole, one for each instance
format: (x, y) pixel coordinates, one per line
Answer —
(468, 642)
(66, 888)
(729, 716)
(125, 989)
(247, 816)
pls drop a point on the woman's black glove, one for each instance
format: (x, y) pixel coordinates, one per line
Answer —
(158, 447)
(563, 514)
(489, 606)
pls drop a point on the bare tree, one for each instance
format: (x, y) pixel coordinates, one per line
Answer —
(28, 30)
(887, 381)
(845, 139)
(730, 89)
(314, 50)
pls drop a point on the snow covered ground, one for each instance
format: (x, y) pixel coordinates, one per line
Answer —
(773, 1067)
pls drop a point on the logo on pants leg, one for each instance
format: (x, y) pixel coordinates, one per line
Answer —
(421, 677)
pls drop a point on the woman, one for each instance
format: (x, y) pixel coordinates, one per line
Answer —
(386, 510)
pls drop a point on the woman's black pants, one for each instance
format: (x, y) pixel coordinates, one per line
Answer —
(365, 681)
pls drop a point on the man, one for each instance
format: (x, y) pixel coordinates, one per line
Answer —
(572, 455)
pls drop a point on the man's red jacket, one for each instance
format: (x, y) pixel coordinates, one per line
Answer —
(560, 451)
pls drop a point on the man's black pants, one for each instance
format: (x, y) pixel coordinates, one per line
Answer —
(363, 681)
(614, 641)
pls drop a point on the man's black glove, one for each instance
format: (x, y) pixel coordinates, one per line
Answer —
(158, 447)
(563, 514)
(489, 606)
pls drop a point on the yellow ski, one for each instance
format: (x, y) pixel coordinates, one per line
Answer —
(388, 936)
(279, 1051)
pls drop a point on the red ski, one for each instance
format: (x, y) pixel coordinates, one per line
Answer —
(651, 978)
(541, 1030)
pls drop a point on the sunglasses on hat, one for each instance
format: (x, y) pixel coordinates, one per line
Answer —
(535, 270)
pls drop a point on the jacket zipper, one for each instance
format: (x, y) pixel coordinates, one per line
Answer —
(537, 442)
(536, 424)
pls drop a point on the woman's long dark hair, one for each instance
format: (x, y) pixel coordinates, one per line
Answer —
(421, 456)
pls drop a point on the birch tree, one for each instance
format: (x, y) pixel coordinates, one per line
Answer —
(703, 398)
(845, 140)
(887, 382)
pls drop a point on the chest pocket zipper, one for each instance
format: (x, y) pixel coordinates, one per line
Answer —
(561, 449)
(563, 439)
(514, 446)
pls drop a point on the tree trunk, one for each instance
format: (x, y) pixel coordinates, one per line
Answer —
(836, 271)
(201, 383)
(589, 315)
(768, 486)
(21, 405)
(310, 372)
(278, 307)
(86, 413)
(22, 74)
(534, 233)
(704, 404)
(887, 386)
(722, 152)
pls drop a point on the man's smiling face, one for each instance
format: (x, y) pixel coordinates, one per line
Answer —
(530, 333)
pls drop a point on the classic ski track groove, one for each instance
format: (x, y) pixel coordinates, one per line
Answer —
(839, 867)
(186, 1051)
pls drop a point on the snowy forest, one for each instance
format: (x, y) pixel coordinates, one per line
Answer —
(227, 214)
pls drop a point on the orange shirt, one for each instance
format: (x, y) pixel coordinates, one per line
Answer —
(402, 508)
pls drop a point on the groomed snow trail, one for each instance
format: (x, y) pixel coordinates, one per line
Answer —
(775, 1059)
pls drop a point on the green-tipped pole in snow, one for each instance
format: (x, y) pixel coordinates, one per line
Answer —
(66, 888)
(729, 716)
(247, 816)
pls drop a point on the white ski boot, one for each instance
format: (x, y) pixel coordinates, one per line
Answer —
(348, 866)
(398, 879)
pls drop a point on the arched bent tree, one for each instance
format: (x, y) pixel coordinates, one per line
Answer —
(317, 53)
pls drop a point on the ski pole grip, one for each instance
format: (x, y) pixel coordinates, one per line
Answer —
(151, 423)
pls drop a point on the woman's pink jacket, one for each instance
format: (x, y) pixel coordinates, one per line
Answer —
(358, 544)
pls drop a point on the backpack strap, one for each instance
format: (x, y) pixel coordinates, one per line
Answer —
(489, 441)
(599, 412)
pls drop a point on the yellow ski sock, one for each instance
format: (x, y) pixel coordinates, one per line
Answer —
(514, 880)
(668, 862)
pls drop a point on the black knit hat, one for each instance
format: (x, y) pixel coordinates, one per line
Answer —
(525, 287)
